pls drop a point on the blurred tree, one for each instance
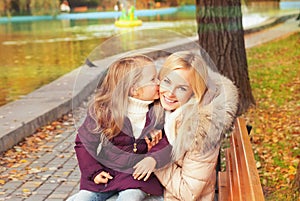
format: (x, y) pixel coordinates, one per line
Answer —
(24, 6)
(296, 183)
(221, 34)
(44, 7)
(88, 3)
(185, 2)
(5, 7)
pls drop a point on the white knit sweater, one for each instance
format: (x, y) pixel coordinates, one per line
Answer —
(137, 110)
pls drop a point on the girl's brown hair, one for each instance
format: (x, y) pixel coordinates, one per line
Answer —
(109, 105)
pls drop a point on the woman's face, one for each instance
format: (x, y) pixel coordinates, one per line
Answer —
(175, 89)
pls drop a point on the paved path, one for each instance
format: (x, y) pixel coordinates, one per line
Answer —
(276, 32)
(44, 167)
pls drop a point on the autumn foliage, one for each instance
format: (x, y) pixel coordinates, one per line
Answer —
(275, 79)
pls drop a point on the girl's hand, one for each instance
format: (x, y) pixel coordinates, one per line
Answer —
(144, 168)
(156, 136)
(102, 178)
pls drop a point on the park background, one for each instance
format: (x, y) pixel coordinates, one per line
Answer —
(33, 56)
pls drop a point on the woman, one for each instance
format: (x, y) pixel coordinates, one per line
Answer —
(200, 107)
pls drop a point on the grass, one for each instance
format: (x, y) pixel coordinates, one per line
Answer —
(274, 70)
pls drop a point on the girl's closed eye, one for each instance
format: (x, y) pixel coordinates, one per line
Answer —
(166, 81)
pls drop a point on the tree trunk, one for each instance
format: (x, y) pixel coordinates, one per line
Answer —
(221, 35)
(296, 184)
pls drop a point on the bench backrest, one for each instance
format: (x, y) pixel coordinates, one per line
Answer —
(241, 180)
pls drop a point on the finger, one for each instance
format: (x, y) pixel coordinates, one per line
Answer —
(148, 141)
(149, 145)
(137, 171)
(135, 175)
(147, 176)
(142, 176)
(156, 139)
(103, 180)
(152, 134)
(157, 136)
(160, 134)
(106, 175)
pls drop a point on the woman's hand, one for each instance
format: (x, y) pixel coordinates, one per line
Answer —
(144, 168)
(102, 178)
(156, 136)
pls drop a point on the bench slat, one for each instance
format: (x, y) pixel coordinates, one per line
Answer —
(223, 191)
(229, 176)
(236, 167)
(250, 177)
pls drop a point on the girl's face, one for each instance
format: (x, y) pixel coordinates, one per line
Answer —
(148, 86)
(175, 89)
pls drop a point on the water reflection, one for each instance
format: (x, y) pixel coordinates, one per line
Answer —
(38, 52)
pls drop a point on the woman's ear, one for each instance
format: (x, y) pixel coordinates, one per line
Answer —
(133, 91)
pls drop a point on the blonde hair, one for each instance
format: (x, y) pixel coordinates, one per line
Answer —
(197, 80)
(109, 106)
(194, 63)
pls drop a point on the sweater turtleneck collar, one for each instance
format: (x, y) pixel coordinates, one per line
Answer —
(137, 106)
(137, 110)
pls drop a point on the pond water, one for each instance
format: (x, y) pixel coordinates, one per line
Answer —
(34, 53)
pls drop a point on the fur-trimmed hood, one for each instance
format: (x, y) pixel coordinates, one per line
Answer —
(203, 126)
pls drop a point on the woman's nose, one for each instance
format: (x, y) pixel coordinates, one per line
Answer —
(169, 90)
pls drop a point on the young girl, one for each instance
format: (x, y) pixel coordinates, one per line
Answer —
(111, 141)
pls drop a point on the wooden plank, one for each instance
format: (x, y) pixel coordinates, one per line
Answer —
(251, 177)
(235, 168)
(245, 184)
(223, 188)
(229, 174)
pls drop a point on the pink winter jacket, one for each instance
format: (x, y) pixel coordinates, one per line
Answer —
(192, 175)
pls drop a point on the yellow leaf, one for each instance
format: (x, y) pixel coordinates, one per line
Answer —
(26, 190)
(23, 161)
(2, 182)
(292, 170)
(258, 130)
(275, 139)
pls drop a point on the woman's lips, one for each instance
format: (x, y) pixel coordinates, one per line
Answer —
(168, 100)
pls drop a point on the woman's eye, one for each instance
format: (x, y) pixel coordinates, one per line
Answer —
(182, 89)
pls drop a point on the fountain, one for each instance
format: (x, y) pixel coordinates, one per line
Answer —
(127, 18)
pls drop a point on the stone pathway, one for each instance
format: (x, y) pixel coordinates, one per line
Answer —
(49, 172)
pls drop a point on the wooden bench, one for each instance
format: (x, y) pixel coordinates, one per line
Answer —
(240, 181)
